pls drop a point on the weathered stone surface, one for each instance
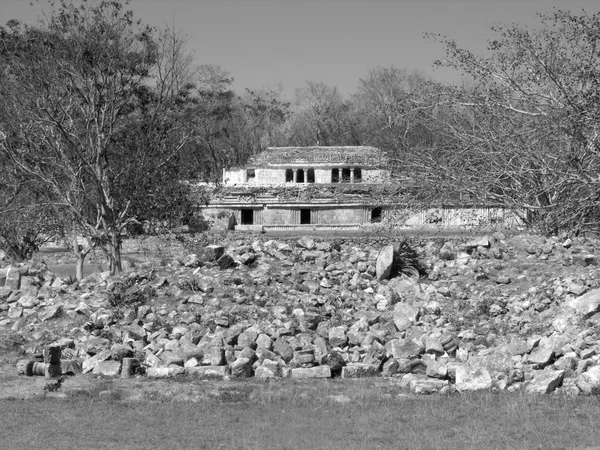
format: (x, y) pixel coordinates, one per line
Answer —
(385, 261)
(241, 368)
(337, 337)
(50, 312)
(405, 349)
(434, 346)
(545, 381)
(588, 304)
(437, 369)
(541, 356)
(404, 316)
(107, 368)
(589, 381)
(218, 372)
(472, 378)
(312, 372)
(225, 261)
(426, 387)
(213, 252)
(90, 363)
(358, 370)
(306, 242)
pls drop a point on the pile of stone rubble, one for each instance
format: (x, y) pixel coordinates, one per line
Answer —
(518, 313)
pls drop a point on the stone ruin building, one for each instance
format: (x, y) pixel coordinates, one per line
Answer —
(322, 187)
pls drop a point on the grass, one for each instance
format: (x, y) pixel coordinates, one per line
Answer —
(311, 415)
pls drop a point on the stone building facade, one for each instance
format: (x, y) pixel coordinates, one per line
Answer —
(331, 187)
(300, 186)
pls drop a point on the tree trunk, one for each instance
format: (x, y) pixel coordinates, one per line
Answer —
(114, 254)
(80, 254)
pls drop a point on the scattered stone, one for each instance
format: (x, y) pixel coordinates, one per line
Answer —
(312, 372)
(472, 379)
(545, 381)
(385, 262)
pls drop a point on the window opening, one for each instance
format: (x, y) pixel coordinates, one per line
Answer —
(357, 175)
(289, 175)
(247, 217)
(346, 175)
(250, 174)
(305, 217)
(300, 176)
(310, 176)
(376, 215)
(335, 175)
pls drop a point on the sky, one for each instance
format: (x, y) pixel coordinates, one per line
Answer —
(269, 43)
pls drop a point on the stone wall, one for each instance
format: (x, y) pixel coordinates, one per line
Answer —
(269, 176)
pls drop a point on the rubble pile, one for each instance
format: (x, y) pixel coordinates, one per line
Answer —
(518, 313)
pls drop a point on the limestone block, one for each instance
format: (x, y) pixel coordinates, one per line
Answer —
(359, 370)
(472, 379)
(588, 304)
(218, 372)
(337, 337)
(405, 349)
(213, 252)
(312, 372)
(437, 369)
(426, 387)
(385, 261)
(404, 316)
(545, 381)
(90, 363)
(107, 368)
(541, 356)
(241, 368)
(589, 381)
(225, 261)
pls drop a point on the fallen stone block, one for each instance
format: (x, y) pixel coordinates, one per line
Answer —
(209, 372)
(359, 370)
(312, 372)
(425, 387)
(107, 368)
(545, 381)
(472, 379)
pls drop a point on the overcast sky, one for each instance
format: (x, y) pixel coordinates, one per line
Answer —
(266, 42)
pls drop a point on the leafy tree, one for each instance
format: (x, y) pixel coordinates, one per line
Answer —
(67, 89)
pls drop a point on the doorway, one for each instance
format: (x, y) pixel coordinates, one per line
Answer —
(376, 215)
(247, 217)
(305, 217)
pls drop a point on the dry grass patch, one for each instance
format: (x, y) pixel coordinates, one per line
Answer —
(333, 414)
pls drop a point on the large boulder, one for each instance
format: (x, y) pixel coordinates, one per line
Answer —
(385, 262)
(545, 381)
(588, 304)
(405, 316)
(472, 378)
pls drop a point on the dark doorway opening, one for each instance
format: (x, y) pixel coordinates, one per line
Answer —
(357, 175)
(247, 217)
(300, 176)
(335, 175)
(310, 176)
(289, 175)
(345, 175)
(250, 174)
(376, 215)
(305, 217)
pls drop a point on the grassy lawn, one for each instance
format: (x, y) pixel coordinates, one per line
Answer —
(291, 417)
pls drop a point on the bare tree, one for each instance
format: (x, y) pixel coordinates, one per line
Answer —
(525, 133)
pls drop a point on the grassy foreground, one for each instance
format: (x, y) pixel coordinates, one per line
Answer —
(278, 418)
